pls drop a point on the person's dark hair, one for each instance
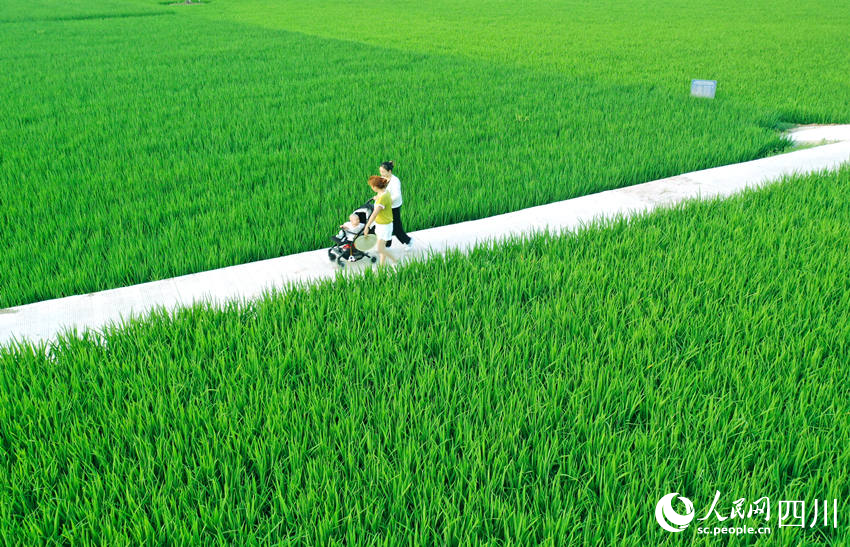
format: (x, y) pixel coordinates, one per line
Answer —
(378, 182)
(388, 165)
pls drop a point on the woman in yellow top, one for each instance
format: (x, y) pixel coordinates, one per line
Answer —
(382, 217)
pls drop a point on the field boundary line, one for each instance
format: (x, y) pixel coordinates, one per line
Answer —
(84, 17)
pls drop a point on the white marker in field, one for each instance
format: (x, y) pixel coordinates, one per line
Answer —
(703, 88)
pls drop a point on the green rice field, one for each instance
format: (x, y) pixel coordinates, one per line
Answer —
(545, 392)
(549, 393)
(142, 140)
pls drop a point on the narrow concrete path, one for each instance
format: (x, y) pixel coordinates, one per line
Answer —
(43, 321)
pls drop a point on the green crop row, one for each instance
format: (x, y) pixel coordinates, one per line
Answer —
(140, 148)
(546, 392)
(71, 10)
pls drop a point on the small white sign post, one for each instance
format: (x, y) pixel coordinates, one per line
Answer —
(703, 88)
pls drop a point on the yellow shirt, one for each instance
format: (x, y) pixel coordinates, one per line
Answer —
(385, 216)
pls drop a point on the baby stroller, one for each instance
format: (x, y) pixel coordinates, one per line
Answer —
(343, 250)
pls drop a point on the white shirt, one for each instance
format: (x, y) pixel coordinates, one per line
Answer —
(394, 188)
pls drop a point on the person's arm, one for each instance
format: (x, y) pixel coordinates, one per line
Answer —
(375, 212)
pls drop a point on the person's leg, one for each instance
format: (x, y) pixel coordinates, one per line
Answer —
(390, 242)
(398, 228)
(385, 253)
(382, 252)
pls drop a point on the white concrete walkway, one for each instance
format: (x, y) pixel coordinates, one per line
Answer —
(42, 321)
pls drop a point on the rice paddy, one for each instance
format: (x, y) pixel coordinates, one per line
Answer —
(143, 141)
(548, 393)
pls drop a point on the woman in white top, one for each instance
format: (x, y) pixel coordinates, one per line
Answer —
(394, 188)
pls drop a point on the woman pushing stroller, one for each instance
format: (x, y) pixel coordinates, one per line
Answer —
(381, 217)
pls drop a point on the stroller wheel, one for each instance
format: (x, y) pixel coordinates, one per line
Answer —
(341, 263)
(373, 259)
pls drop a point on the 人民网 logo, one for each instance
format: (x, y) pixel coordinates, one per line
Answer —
(668, 518)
